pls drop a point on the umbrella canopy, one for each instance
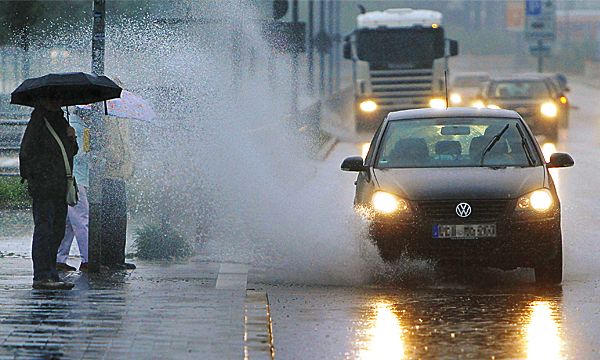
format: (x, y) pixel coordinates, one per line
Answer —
(129, 106)
(67, 88)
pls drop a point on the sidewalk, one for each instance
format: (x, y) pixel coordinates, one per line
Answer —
(157, 311)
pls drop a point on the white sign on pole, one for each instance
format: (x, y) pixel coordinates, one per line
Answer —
(540, 20)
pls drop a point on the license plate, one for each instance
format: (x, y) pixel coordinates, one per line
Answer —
(464, 231)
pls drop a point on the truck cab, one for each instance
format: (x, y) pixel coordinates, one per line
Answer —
(399, 57)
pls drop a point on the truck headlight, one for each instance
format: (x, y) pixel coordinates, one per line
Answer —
(549, 109)
(455, 99)
(387, 203)
(437, 103)
(540, 200)
(368, 106)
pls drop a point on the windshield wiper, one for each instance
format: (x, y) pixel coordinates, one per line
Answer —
(525, 145)
(493, 142)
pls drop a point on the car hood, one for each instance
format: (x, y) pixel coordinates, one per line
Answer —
(460, 183)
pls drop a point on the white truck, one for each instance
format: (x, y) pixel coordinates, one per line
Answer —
(398, 61)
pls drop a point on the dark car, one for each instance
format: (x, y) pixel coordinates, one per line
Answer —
(535, 97)
(465, 88)
(462, 185)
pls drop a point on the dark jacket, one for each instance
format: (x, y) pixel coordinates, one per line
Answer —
(40, 159)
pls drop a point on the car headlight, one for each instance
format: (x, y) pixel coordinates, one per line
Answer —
(455, 99)
(387, 203)
(478, 104)
(368, 106)
(549, 109)
(437, 103)
(540, 200)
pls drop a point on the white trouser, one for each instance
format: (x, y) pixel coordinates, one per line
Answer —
(77, 226)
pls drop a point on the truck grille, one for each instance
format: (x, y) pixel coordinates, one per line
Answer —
(401, 89)
(446, 210)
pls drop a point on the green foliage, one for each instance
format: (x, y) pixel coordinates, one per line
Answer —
(13, 194)
(156, 242)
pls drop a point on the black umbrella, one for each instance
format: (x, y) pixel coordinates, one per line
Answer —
(68, 88)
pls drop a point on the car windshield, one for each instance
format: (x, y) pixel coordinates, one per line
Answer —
(519, 89)
(456, 142)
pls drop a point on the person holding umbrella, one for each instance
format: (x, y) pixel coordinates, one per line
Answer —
(46, 160)
(42, 165)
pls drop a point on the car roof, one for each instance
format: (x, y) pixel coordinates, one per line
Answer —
(520, 77)
(451, 112)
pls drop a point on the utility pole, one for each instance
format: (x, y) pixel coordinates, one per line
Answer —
(295, 62)
(97, 138)
(311, 46)
(331, 51)
(322, 48)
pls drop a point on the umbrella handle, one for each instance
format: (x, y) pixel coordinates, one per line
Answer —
(105, 108)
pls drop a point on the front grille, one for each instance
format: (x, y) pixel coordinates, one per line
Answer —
(401, 89)
(481, 210)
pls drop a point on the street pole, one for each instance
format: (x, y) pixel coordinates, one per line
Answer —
(311, 46)
(321, 48)
(540, 68)
(331, 51)
(295, 62)
(97, 137)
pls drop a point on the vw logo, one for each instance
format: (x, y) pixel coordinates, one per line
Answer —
(463, 210)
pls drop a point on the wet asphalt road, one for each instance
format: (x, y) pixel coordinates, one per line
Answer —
(470, 313)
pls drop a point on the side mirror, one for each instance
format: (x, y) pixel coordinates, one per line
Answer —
(348, 50)
(453, 51)
(353, 163)
(560, 160)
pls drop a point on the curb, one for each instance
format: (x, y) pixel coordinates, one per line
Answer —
(326, 148)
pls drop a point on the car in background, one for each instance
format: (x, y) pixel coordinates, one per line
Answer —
(465, 87)
(535, 97)
(462, 185)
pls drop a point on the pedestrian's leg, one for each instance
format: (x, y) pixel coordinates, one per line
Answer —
(58, 231)
(65, 245)
(80, 223)
(42, 238)
(121, 223)
(108, 222)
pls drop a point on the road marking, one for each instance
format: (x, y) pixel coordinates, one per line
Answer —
(232, 276)
(258, 328)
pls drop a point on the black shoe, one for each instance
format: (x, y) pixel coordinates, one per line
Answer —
(123, 266)
(64, 267)
(50, 284)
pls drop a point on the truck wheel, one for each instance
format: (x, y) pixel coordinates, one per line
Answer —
(550, 272)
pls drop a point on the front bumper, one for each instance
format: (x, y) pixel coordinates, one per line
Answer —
(518, 243)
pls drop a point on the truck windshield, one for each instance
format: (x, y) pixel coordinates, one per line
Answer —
(456, 142)
(400, 46)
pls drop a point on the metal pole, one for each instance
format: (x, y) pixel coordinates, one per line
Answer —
(295, 62)
(540, 57)
(321, 50)
(338, 49)
(97, 129)
(331, 48)
(311, 46)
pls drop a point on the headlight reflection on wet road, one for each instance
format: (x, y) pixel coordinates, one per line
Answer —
(543, 333)
(385, 335)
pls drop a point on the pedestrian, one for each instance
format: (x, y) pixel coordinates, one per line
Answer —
(47, 137)
(78, 215)
(119, 168)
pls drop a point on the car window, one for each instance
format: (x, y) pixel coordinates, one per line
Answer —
(454, 142)
(519, 89)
